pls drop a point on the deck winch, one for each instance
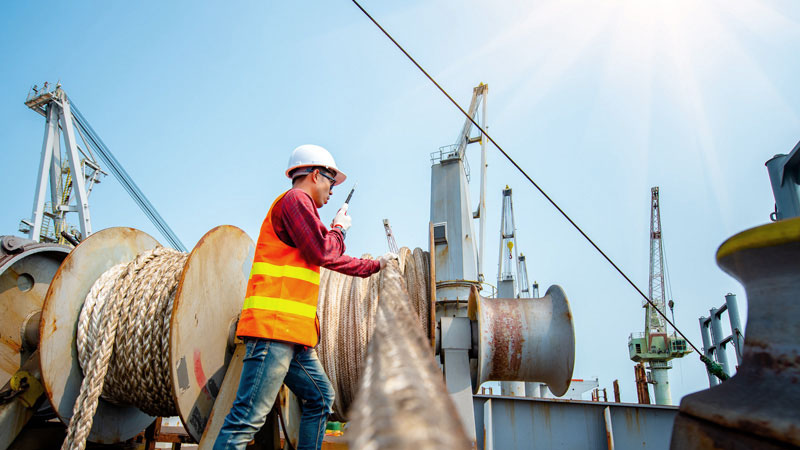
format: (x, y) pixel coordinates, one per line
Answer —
(525, 339)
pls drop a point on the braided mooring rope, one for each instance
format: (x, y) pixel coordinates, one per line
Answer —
(123, 340)
(347, 310)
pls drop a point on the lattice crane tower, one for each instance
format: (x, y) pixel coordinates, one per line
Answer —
(506, 285)
(655, 346)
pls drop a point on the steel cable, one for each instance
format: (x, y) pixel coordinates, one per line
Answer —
(124, 179)
(402, 400)
(517, 166)
(347, 309)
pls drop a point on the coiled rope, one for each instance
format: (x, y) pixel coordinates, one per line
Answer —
(123, 333)
(123, 340)
(347, 309)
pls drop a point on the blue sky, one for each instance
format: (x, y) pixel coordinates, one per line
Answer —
(598, 101)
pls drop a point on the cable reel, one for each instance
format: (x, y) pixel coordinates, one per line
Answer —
(205, 309)
(524, 339)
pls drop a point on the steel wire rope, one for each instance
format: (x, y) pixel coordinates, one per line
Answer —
(348, 313)
(402, 400)
(667, 281)
(517, 166)
(125, 180)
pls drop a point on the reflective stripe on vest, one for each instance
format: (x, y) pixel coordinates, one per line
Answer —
(281, 298)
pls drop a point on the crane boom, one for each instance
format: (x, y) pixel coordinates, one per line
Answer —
(63, 115)
(654, 322)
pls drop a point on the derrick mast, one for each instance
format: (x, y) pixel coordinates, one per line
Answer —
(655, 346)
(71, 171)
(506, 284)
(522, 274)
(654, 323)
(74, 179)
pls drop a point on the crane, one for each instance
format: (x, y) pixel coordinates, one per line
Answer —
(655, 346)
(82, 172)
(506, 285)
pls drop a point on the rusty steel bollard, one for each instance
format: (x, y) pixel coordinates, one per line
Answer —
(759, 407)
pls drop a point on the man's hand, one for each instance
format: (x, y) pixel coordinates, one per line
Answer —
(386, 258)
(342, 219)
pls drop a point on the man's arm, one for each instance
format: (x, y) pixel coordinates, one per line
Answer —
(356, 267)
(317, 244)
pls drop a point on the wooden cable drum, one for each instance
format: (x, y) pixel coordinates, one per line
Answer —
(195, 329)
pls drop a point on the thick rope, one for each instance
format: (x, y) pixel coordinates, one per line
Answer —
(123, 340)
(347, 309)
(402, 400)
(123, 333)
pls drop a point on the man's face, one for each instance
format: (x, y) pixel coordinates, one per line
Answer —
(323, 186)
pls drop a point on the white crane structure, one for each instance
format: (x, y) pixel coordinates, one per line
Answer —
(71, 174)
(655, 346)
(75, 179)
(507, 262)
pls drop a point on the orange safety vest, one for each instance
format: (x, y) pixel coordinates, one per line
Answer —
(281, 298)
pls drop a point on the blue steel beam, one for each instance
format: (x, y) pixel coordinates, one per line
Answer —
(527, 423)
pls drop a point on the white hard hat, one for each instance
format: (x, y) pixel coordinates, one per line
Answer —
(310, 155)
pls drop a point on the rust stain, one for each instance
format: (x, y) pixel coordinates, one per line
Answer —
(506, 331)
(766, 360)
(204, 238)
(759, 427)
(628, 418)
(9, 364)
(10, 344)
(545, 408)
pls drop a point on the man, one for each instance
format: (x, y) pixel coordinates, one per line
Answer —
(279, 324)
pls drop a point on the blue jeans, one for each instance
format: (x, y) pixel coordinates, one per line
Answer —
(267, 365)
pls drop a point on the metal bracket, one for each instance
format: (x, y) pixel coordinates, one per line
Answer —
(456, 333)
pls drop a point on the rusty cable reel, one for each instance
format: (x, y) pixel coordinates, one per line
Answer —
(525, 339)
(26, 269)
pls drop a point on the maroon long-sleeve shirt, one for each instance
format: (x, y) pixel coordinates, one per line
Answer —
(297, 224)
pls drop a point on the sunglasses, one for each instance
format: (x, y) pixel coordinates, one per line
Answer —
(329, 177)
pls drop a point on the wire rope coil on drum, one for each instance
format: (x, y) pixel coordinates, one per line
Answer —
(347, 309)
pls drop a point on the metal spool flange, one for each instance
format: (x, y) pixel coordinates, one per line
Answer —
(204, 316)
(61, 372)
(525, 339)
(26, 268)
